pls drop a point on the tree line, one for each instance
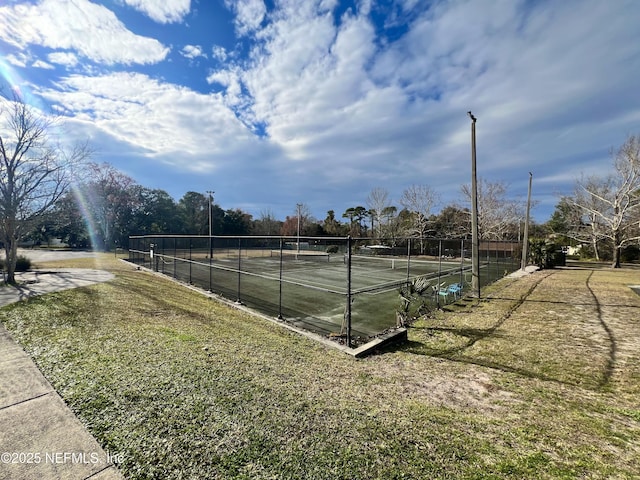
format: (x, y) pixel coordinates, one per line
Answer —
(108, 206)
(602, 214)
(48, 190)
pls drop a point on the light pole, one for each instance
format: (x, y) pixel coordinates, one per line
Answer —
(299, 205)
(475, 261)
(210, 192)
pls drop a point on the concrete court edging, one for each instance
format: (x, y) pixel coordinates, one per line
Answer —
(40, 437)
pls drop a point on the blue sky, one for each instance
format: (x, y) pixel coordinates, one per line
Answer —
(273, 103)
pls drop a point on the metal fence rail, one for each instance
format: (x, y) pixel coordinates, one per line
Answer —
(335, 286)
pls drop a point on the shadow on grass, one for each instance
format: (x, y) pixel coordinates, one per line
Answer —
(582, 265)
(564, 302)
(419, 348)
(472, 335)
(613, 348)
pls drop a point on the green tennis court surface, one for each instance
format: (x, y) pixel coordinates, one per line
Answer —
(310, 288)
(312, 293)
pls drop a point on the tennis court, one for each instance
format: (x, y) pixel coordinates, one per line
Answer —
(302, 283)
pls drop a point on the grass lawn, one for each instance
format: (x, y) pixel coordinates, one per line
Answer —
(541, 379)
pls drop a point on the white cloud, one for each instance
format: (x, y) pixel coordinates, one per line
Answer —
(18, 60)
(229, 79)
(219, 53)
(310, 78)
(42, 64)
(167, 121)
(544, 79)
(90, 30)
(162, 11)
(249, 14)
(192, 51)
(63, 58)
(342, 107)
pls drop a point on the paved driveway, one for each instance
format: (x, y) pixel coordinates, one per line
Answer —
(52, 255)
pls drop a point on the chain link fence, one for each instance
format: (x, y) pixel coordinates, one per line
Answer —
(339, 287)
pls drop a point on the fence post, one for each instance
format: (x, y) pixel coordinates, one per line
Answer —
(210, 260)
(175, 257)
(161, 255)
(190, 245)
(439, 273)
(461, 264)
(280, 293)
(349, 291)
(238, 301)
(408, 260)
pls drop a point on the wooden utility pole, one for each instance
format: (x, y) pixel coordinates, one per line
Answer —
(475, 240)
(525, 240)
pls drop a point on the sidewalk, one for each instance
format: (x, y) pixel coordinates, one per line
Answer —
(40, 437)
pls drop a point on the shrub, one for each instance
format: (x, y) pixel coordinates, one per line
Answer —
(546, 254)
(332, 249)
(22, 264)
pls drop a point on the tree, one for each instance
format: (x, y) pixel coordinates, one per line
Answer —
(236, 222)
(156, 212)
(419, 200)
(193, 209)
(561, 220)
(289, 227)
(302, 222)
(34, 173)
(355, 216)
(377, 201)
(497, 215)
(610, 205)
(266, 224)
(112, 200)
(69, 224)
(571, 221)
(451, 222)
(331, 225)
(390, 224)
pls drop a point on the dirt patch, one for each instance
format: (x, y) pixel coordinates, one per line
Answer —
(457, 388)
(475, 390)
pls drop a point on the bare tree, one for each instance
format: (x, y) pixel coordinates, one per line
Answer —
(419, 200)
(584, 224)
(306, 219)
(496, 213)
(34, 172)
(610, 206)
(377, 202)
(267, 224)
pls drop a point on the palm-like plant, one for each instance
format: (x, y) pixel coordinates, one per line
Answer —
(414, 301)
